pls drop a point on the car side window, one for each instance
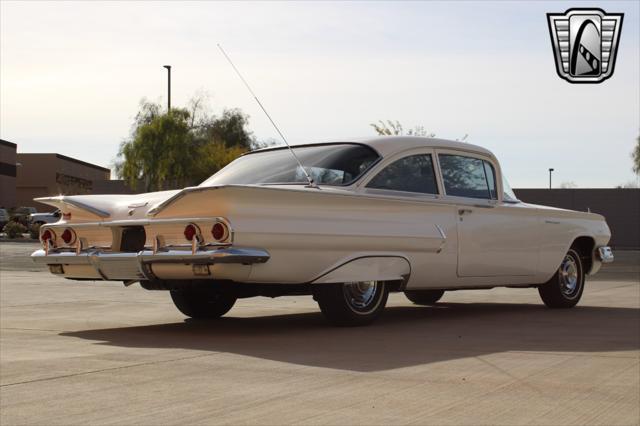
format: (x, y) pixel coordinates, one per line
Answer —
(410, 174)
(491, 179)
(467, 176)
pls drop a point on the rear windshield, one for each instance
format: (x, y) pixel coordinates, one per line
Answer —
(331, 164)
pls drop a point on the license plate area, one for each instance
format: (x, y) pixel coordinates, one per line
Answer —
(201, 270)
(133, 239)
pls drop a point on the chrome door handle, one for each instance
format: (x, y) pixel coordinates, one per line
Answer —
(461, 212)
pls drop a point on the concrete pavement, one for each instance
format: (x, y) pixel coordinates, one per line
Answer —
(99, 353)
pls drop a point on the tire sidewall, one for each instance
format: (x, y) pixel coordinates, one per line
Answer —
(551, 292)
(202, 304)
(332, 301)
(424, 297)
(379, 299)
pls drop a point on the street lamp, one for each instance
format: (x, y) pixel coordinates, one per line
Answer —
(168, 67)
(550, 171)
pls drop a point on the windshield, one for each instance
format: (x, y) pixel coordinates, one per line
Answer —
(331, 164)
(507, 193)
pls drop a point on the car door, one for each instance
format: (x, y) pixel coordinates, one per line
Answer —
(409, 179)
(495, 238)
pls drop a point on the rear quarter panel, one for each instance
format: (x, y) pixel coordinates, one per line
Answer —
(309, 232)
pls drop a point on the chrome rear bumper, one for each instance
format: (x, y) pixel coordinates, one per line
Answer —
(138, 266)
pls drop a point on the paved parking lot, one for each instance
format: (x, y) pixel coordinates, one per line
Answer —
(99, 353)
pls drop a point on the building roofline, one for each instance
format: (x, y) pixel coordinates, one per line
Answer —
(64, 157)
(7, 143)
(84, 163)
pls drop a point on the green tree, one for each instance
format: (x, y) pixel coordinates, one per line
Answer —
(230, 129)
(635, 155)
(394, 128)
(181, 147)
(213, 156)
(160, 150)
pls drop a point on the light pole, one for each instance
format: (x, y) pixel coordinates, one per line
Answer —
(550, 171)
(168, 67)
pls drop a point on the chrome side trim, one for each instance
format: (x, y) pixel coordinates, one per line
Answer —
(384, 267)
(444, 238)
(86, 207)
(154, 210)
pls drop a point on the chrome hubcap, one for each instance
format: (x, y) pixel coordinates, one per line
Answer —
(569, 277)
(360, 295)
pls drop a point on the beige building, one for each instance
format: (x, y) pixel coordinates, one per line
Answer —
(41, 175)
(7, 174)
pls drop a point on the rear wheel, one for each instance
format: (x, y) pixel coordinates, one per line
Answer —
(564, 289)
(202, 303)
(352, 304)
(424, 297)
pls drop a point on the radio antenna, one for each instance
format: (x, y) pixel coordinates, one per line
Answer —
(312, 184)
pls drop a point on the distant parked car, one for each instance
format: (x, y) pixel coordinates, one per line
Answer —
(22, 214)
(4, 217)
(42, 218)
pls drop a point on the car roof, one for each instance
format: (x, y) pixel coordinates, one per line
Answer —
(389, 145)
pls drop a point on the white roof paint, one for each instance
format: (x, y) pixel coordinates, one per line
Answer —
(389, 145)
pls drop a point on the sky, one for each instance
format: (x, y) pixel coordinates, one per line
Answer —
(72, 76)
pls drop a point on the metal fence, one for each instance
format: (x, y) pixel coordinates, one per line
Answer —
(621, 208)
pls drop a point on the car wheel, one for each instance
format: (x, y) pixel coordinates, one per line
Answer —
(202, 303)
(424, 297)
(352, 304)
(565, 288)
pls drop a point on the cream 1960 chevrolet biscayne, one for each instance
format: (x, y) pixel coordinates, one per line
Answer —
(417, 215)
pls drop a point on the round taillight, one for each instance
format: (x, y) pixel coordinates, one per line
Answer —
(219, 231)
(68, 236)
(190, 232)
(47, 236)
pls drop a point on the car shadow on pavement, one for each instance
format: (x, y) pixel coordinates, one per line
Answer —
(402, 337)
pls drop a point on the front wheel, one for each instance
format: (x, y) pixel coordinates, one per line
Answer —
(202, 303)
(564, 289)
(351, 304)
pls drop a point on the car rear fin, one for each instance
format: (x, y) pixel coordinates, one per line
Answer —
(157, 208)
(62, 200)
